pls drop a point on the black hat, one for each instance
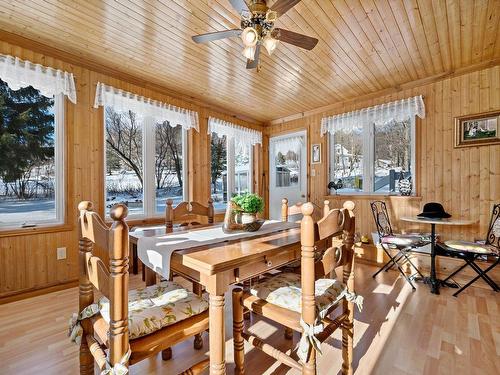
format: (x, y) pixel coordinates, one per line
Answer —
(434, 210)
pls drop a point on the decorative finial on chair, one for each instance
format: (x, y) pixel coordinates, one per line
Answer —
(307, 209)
(85, 206)
(119, 212)
(349, 205)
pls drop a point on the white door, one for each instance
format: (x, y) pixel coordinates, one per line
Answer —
(288, 171)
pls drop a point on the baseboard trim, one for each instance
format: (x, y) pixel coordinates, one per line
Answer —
(28, 293)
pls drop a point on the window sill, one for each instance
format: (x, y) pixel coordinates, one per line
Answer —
(39, 229)
(373, 196)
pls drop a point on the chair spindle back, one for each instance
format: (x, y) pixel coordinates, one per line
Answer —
(336, 222)
(111, 281)
(188, 213)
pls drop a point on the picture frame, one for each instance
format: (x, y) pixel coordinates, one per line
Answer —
(478, 129)
(316, 153)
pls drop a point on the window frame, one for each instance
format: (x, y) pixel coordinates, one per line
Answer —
(231, 166)
(59, 177)
(369, 162)
(148, 126)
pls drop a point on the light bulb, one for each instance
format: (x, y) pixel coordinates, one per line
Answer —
(270, 43)
(249, 52)
(249, 37)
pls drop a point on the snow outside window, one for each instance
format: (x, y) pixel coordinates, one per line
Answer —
(31, 157)
(372, 159)
(231, 169)
(145, 162)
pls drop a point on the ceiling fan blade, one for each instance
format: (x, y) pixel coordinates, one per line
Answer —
(299, 40)
(283, 6)
(210, 37)
(240, 5)
(252, 64)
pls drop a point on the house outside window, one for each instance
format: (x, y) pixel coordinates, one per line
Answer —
(372, 150)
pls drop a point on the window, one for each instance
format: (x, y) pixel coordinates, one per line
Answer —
(231, 169)
(144, 163)
(372, 159)
(31, 157)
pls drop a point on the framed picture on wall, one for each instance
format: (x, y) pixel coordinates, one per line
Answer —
(316, 153)
(477, 130)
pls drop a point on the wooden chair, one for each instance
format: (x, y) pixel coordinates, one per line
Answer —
(117, 320)
(294, 212)
(188, 213)
(307, 310)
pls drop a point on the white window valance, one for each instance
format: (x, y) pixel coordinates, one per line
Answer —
(124, 101)
(19, 73)
(242, 136)
(285, 145)
(399, 110)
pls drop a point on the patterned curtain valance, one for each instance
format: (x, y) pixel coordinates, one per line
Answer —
(242, 136)
(123, 101)
(287, 144)
(399, 110)
(19, 73)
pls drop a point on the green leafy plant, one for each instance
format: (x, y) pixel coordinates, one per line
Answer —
(249, 203)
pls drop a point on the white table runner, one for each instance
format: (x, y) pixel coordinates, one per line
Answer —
(155, 252)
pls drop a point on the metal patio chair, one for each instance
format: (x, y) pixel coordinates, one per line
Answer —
(470, 252)
(403, 243)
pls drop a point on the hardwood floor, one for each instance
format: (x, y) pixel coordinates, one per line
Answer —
(398, 332)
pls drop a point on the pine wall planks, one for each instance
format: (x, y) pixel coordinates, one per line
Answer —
(28, 259)
(465, 180)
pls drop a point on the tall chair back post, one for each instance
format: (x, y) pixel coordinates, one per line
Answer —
(210, 211)
(307, 277)
(169, 215)
(118, 269)
(85, 291)
(284, 209)
(348, 279)
(326, 207)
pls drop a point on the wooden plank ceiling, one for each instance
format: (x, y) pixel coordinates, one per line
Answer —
(364, 46)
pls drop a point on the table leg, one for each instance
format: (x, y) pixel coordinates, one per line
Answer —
(433, 279)
(217, 337)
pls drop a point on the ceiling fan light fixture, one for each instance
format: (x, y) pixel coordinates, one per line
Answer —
(249, 37)
(270, 43)
(249, 52)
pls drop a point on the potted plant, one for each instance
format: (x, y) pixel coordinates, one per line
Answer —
(248, 205)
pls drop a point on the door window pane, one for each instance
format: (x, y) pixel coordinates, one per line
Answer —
(287, 169)
(29, 161)
(242, 172)
(347, 160)
(219, 171)
(168, 165)
(392, 155)
(124, 160)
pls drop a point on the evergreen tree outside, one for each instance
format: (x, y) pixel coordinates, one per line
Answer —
(27, 136)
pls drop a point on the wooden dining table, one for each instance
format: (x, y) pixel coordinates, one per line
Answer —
(217, 266)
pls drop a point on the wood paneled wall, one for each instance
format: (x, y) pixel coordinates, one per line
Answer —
(465, 180)
(28, 258)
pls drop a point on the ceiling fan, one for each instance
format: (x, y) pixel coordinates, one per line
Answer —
(257, 29)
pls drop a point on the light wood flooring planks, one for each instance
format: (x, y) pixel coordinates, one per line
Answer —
(398, 332)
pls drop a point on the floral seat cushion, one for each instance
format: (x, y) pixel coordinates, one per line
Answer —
(470, 247)
(284, 290)
(157, 306)
(405, 240)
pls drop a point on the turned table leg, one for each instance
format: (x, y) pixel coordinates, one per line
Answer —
(217, 335)
(239, 344)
